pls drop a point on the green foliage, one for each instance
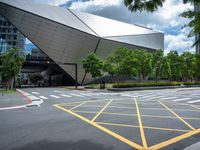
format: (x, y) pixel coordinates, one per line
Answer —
(93, 65)
(143, 5)
(188, 65)
(143, 64)
(11, 63)
(34, 78)
(147, 84)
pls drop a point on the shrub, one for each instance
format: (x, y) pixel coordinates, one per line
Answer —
(129, 85)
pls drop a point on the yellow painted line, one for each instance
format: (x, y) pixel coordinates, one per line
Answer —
(144, 142)
(195, 107)
(177, 116)
(174, 140)
(145, 127)
(144, 108)
(81, 102)
(78, 105)
(122, 114)
(117, 124)
(122, 103)
(117, 136)
(87, 112)
(169, 117)
(95, 117)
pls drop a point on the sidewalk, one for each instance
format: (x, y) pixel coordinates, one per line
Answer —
(12, 100)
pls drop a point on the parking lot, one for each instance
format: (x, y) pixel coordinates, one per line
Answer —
(142, 125)
(160, 119)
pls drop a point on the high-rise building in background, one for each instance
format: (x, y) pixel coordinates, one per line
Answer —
(197, 9)
(9, 36)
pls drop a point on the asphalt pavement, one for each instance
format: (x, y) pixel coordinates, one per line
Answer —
(103, 120)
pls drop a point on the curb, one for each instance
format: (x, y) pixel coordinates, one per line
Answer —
(149, 88)
(21, 93)
(31, 102)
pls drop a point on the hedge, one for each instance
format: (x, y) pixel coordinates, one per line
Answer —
(153, 84)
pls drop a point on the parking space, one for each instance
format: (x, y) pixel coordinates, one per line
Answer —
(140, 124)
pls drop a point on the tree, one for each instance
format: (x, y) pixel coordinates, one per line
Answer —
(110, 68)
(188, 65)
(153, 5)
(35, 78)
(93, 65)
(175, 63)
(143, 5)
(166, 69)
(197, 66)
(128, 65)
(143, 64)
(114, 60)
(157, 64)
(11, 64)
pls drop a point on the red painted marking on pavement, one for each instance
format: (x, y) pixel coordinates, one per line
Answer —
(29, 100)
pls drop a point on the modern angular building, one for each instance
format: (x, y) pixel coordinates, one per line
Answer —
(68, 36)
(9, 36)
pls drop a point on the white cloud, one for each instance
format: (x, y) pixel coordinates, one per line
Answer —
(51, 2)
(165, 19)
(178, 42)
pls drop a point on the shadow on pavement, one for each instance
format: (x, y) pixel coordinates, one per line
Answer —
(69, 145)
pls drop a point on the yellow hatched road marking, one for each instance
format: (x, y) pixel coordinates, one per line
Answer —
(78, 105)
(177, 116)
(122, 114)
(145, 127)
(174, 140)
(117, 136)
(162, 109)
(95, 117)
(144, 142)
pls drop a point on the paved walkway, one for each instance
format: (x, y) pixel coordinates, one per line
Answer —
(11, 100)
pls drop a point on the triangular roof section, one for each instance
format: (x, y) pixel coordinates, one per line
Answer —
(106, 27)
(56, 14)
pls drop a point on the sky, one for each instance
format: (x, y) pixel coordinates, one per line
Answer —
(165, 19)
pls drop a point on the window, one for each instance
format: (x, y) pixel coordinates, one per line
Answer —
(4, 23)
(15, 30)
(14, 37)
(14, 43)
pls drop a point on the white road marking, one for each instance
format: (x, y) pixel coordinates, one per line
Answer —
(15, 107)
(156, 97)
(181, 99)
(58, 91)
(84, 94)
(35, 93)
(168, 98)
(64, 95)
(54, 96)
(128, 95)
(43, 97)
(146, 96)
(35, 103)
(195, 101)
(32, 97)
(76, 95)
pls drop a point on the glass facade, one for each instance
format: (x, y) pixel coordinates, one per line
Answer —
(9, 36)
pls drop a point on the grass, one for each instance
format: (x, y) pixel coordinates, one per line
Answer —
(8, 91)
